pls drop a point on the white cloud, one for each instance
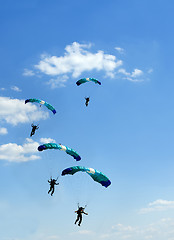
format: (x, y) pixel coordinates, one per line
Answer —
(2, 89)
(3, 131)
(12, 152)
(158, 205)
(120, 50)
(15, 88)
(161, 230)
(58, 82)
(47, 140)
(28, 72)
(123, 71)
(15, 111)
(136, 73)
(76, 60)
(135, 76)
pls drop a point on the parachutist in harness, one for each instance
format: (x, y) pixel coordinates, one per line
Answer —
(34, 128)
(52, 183)
(87, 101)
(79, 215)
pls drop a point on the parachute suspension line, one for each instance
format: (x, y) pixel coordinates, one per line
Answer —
(49, 165)
(57, 178)
(53, 177)
(85, 196)
(79, 205)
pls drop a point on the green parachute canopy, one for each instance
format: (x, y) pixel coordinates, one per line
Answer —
(68, 150)
(96, 175)
(49, 106)
(84, 80)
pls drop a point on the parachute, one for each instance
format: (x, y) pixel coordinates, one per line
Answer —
(96, 175)
(68, 150)
(41, 102)
(83, 80)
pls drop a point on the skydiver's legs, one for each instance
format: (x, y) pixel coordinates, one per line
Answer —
(52, 192)
(80, 216)
(32, 133)
(77, 219)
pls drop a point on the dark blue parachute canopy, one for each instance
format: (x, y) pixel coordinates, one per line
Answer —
(49, 106)
(96, 175)
(84, 80)
(68, 150)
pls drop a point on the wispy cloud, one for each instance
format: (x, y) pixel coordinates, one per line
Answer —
(158, 205)
(150, 70)
(162, 229)
(3, 131)
(135, 76)
(13, 152)
(120, 50)
(16, 89)
(47, 140)
(15, 111)
(136, 73)
(28, 72)
(58, 82)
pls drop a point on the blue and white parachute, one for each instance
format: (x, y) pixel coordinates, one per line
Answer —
(68, 150)
(49, 106)
(84, 80)
(96, 175)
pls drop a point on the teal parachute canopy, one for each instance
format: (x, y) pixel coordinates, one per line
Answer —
(68, 150)
(49, 106)
(96, 175)
(84, 80)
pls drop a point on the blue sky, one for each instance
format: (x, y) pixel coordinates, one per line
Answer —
(126, 132)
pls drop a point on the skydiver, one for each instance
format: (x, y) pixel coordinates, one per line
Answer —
(87, 101)
(34, 128)
(79, 215)
(52, 183)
